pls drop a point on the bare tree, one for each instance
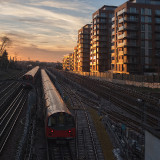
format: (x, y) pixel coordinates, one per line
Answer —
(5, 41)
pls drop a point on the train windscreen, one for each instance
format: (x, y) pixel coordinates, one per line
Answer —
(61, 121)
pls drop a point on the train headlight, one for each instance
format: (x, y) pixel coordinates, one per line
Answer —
(70, 131)
(52, 131)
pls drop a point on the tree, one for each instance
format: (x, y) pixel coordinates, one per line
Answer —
(4, 60)
(4, 42)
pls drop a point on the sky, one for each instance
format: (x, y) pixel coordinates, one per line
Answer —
(46, 30)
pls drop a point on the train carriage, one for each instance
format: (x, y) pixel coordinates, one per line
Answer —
(30, 76)
(59, 122)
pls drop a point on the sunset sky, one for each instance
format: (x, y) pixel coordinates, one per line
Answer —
(45, 30)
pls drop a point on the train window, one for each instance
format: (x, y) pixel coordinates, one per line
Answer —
(51, 121)
(61, 119)
(69, 120)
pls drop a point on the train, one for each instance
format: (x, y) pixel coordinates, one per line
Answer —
(30, 76)
(59, 122)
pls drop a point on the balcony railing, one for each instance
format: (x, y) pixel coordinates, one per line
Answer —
(120, 53)
(113, 33)
(121, 20)
(120, 44)
(113, 39)
(121, 12)
(131, 19)
(133, 12)
(113, 54)
(113, 47)
(128, 19)
(113, 19)
(113, 25)
(121, 36)
(121, 28)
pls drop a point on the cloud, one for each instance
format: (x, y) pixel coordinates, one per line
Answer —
(43, 25)
(68, 5)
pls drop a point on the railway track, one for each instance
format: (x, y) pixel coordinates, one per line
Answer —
(86, 142)
(114, 113)
(62, 151)
(9, 118)
(123, 99)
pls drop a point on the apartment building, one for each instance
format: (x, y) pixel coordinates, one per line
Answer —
(136, 37)
(100, 58)
(68, 62)
(83, 45)
(75, 59)
(83, 54)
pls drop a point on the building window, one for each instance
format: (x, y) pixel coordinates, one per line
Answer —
(142, 27)
(142, 35)
(132, 10)
(150, 52)
(150, 35)
(157, 20)
(142, 51)
(149, 12)
(157, 12)
(142, 43)
(132, 18)
(142, 18)
(111, 15)
(149, 19)
(142, 11)
(103, 15)
(150, 44)
(149, 27)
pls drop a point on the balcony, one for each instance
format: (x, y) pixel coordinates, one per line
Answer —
(121, 28)
(121, 20)
(113, 61)
(131, 27)
(113, 19)
(132, 36)
(121, 12)
(131, 19)
(125, 60)
(113, 33)
(113, 39)
(113, 54)
(130, 44)
(121, 36)
(120, 53)
(94, 45)
(133, 12)
(113, 47)
(120, 44)
(113, 25)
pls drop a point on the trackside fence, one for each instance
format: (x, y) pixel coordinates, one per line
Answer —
(152, 81)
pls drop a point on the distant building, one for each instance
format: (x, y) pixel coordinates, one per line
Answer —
(65, 63)
(101, 39)
(75, 59)
(83, 54)
(136, 37)
(68, 62)
(71, 61)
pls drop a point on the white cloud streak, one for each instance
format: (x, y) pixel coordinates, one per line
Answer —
(32, 23)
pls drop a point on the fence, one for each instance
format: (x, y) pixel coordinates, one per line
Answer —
(126, 79)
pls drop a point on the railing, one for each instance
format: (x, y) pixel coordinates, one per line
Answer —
(121, 36)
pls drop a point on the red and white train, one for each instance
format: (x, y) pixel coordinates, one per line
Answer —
(30, 76)
(59, 122)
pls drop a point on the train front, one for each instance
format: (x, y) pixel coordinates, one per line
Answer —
(60, 125)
